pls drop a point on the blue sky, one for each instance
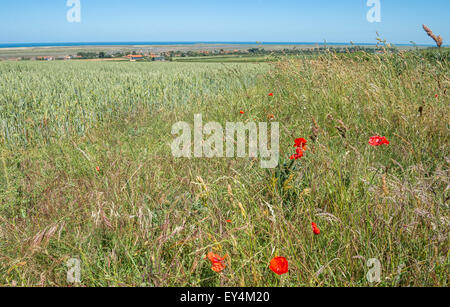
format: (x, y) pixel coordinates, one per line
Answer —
(34, 21)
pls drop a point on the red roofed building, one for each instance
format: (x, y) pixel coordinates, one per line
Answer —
(134, 57)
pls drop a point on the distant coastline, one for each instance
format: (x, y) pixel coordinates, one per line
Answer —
(90, 44)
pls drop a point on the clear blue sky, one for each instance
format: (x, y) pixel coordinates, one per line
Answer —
(34, 21)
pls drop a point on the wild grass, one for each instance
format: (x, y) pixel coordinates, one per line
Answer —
(148, 219)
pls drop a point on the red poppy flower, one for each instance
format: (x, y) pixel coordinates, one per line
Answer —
(98, 169)
(216, 261)
(279, 265)
(301, 143)
(242, 112)
(271, 94)
(378, 141)
(228, 221)
(298, 154)
(316, 229)
(436, 96)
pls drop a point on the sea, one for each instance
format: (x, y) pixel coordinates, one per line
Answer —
(81, 44)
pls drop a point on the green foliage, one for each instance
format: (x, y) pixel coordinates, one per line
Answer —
(437, 54)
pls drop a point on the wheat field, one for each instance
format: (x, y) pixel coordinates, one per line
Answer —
(87, 173)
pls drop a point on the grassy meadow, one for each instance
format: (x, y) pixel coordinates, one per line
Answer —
(87, 172)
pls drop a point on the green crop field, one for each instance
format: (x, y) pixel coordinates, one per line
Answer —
(40, 101)
(87, 172)
(226, 59)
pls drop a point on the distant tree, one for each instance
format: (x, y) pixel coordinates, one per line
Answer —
(87, 55)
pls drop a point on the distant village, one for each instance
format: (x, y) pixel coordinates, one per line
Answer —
(130, 56)
(171, 55)
(91, 55)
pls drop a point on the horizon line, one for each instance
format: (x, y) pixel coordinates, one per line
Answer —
(149, 43)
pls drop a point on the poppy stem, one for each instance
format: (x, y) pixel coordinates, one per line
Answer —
(291, 165)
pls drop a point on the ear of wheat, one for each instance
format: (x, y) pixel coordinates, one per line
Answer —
(437, 39)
